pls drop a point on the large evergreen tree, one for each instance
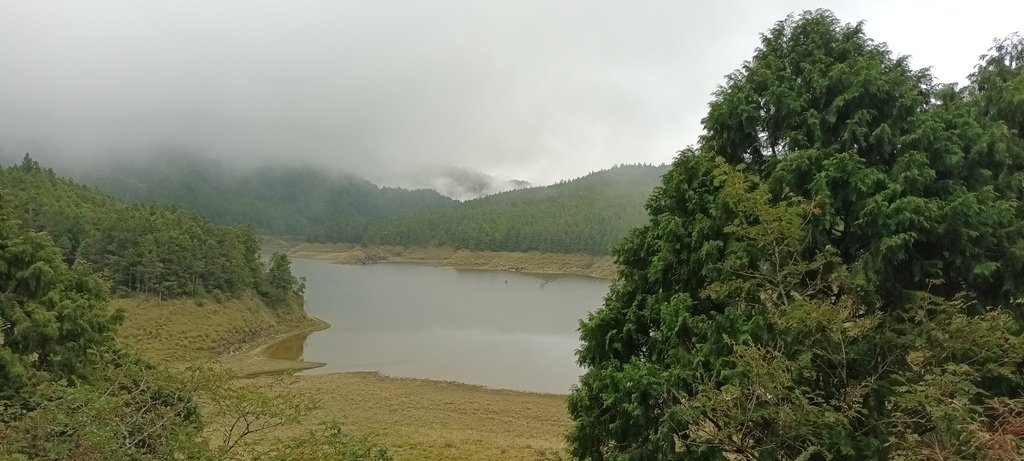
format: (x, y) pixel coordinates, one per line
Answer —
(54, 320)
(831, 275)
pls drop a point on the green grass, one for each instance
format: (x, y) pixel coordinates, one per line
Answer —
(169, 331)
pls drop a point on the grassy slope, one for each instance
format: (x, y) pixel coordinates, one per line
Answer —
(173, 330)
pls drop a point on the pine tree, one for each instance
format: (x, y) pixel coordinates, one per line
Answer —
(806, 270)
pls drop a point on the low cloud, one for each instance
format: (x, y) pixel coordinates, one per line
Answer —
(536, 90)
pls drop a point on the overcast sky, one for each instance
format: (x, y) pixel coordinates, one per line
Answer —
(536, 90)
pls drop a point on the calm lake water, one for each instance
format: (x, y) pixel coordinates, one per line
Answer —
(498, 329)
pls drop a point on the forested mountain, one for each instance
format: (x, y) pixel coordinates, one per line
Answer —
(152, 249)
(295, 201)
(585, 215)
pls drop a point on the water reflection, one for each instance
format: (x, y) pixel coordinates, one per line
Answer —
(288, 348)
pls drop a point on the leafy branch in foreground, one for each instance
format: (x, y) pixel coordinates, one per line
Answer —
(141, 412)
(240, 417)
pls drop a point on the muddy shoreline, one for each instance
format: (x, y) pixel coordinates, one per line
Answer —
(276, 355)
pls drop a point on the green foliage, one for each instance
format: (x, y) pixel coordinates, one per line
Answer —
(910, 183)
(832, 275)
(56, 324)
(278, 283)
(998, 84)
(163, 251)
(130, 411)
(68, 391)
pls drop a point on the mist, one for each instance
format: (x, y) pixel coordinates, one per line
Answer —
(534, 91)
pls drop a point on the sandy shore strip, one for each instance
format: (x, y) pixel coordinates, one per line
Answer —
(532, 262)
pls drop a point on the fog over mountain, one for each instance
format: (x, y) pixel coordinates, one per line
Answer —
(527, 90)
(461, 183)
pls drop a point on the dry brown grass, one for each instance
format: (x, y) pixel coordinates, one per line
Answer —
(181, 329)
(436, 420)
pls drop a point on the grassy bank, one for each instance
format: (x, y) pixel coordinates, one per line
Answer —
(435, 420)
(417, 419)
(173, 330)
(533, 262)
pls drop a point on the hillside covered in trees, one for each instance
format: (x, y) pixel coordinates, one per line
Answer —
(69, 389)
(149, 249)
(835, 273)
(300, 202)
(584, 215)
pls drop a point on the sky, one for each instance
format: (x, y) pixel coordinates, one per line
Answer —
(533, 90)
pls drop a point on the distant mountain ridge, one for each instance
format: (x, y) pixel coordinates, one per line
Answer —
(295, 201)
(585, 215)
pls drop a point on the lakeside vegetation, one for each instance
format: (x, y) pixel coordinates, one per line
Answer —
(183, 331)
(71, 389)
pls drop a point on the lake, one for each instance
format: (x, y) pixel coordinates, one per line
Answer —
(497, 329)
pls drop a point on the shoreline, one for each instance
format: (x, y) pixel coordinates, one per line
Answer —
(261, 362)
(418, 419)
(255, 360)
(601, 267)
